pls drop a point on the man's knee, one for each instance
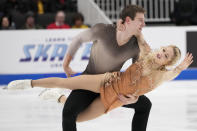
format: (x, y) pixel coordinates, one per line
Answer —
(144, 104)
(72, 110)
(77, 101)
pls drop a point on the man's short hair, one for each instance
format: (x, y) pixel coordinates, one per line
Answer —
(131, 11)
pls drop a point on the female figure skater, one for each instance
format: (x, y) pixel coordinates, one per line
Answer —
(141, 77)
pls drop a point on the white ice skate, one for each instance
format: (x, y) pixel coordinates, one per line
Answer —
(51, 94)
(19, 85)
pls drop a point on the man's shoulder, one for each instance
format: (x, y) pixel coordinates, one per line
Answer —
(102, 28)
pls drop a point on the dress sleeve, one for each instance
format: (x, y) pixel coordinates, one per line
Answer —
(143, 45)
(171, 74)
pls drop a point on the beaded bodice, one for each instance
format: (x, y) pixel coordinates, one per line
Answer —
(130, 82)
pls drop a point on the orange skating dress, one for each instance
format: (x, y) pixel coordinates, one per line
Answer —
(129, 82)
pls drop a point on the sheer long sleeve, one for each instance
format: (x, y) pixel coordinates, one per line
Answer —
(85, 36)
(144, 47)
(171, 74)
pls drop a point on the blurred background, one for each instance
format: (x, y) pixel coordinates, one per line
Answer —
(35, 35)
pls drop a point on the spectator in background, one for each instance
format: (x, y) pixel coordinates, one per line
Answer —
(78, 21)
(185, 12)
(59, 22)
(30, 22)
(6, 23)
(41, 6)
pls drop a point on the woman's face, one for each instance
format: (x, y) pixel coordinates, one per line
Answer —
(163, 55)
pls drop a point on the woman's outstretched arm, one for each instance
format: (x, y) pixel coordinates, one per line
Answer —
(170, 75)
(143, 45)
(86, 82)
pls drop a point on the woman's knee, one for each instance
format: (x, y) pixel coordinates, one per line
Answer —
(77, 102)
(70, 111)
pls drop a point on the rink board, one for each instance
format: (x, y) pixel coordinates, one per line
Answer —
(37, 54)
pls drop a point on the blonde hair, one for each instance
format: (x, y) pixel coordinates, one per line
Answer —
(151, 69)
(150, 64)
(176, 57)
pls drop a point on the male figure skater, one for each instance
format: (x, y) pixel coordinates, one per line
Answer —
(112, 46)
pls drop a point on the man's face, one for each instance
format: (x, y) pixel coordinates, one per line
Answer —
(5, 22)
(138, 23)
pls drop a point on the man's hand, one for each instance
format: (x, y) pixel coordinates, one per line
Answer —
(69, 71)
(66, 67)
(128, 99)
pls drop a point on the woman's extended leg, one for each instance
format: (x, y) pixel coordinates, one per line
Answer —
(86, 82)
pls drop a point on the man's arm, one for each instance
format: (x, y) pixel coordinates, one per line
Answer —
(85, 36)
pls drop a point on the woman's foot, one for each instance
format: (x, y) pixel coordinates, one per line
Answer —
(19, 84)
(51, 94)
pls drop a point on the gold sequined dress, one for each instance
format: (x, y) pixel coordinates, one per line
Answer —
(129, 82)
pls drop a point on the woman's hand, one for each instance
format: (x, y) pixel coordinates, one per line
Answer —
(120, 26)
(186, 62)
(147, 47)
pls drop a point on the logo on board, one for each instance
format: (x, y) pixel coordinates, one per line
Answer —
(51, 50)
